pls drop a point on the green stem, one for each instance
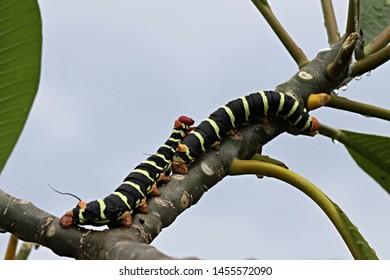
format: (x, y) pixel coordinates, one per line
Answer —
(371, 62)
(296, 52)
(330, 21)
(353, 17)
(343, 58)
(338, 135)
(353, 239)
(358, 107)
(379, 42)
(24, 251)
(11, 248)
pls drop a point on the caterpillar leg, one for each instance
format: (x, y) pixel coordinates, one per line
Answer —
(143, 207)
(163, 179)
(154, 191)
(179, 167)
(216, 145)
(127, 219)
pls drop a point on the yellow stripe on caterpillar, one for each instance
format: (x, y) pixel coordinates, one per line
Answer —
(145, 173)
(152, 163)
(265, 102)
(124, 199)
(293, 109)
(231, 115)
(200, 138)
(281, 103)
(215, 126)
(246, 108)
(102, 207)
(134, 185)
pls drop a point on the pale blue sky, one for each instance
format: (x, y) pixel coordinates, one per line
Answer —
(116, 74)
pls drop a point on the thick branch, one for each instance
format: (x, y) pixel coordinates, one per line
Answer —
(29, 223)
(343, 58)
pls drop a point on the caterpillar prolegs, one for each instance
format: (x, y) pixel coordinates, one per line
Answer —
(242, 110)
(117, 208)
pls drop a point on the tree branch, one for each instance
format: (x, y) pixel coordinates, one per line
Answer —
(379, 42)
(330, 21)
(371, 62)
(296, 52)
(358, 107)
(30, 223)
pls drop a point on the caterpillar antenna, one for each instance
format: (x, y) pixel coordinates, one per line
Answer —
(64, 193)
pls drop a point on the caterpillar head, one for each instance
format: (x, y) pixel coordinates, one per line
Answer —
(83, 214)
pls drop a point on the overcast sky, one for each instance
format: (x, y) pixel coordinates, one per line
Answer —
(116, 74)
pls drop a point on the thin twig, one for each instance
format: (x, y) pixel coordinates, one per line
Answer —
(379, 42)
(353, 17)
(330, 21)
(343, 58)
(358, 107)
(358, 247)
(370, 62)
(296, 52)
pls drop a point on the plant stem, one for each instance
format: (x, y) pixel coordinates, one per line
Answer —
(353, 17)
(24, 251)
(346, 104)
(336, 134)
(343, 58)
(296, 52)
(337, 217)
(370, 62)
(11, 248)
(379, 42)
(330, 21)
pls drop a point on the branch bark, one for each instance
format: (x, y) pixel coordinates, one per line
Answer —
(32, 224)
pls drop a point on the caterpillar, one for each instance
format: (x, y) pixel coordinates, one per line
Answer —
(117, 208)
(242, 110)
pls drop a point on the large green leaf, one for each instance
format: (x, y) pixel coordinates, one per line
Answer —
(374, 17)
(20, 58)
(372, 154)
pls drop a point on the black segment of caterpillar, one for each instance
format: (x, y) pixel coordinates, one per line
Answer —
(116, 209)
(242, 110)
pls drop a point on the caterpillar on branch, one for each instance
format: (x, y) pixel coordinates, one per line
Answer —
(117, 208)
(242, 110)
(183, 146)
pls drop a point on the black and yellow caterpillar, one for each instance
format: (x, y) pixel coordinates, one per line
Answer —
(117, 208)
(242, 110)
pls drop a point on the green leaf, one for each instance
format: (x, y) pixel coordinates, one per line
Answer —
(364, 249)
(20, 58)
(374, 17)
(373, 156)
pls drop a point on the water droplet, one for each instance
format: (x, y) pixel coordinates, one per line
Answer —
(335, 141)
(344, 87)
(357, 78)
(335, 91)
(368, 73)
